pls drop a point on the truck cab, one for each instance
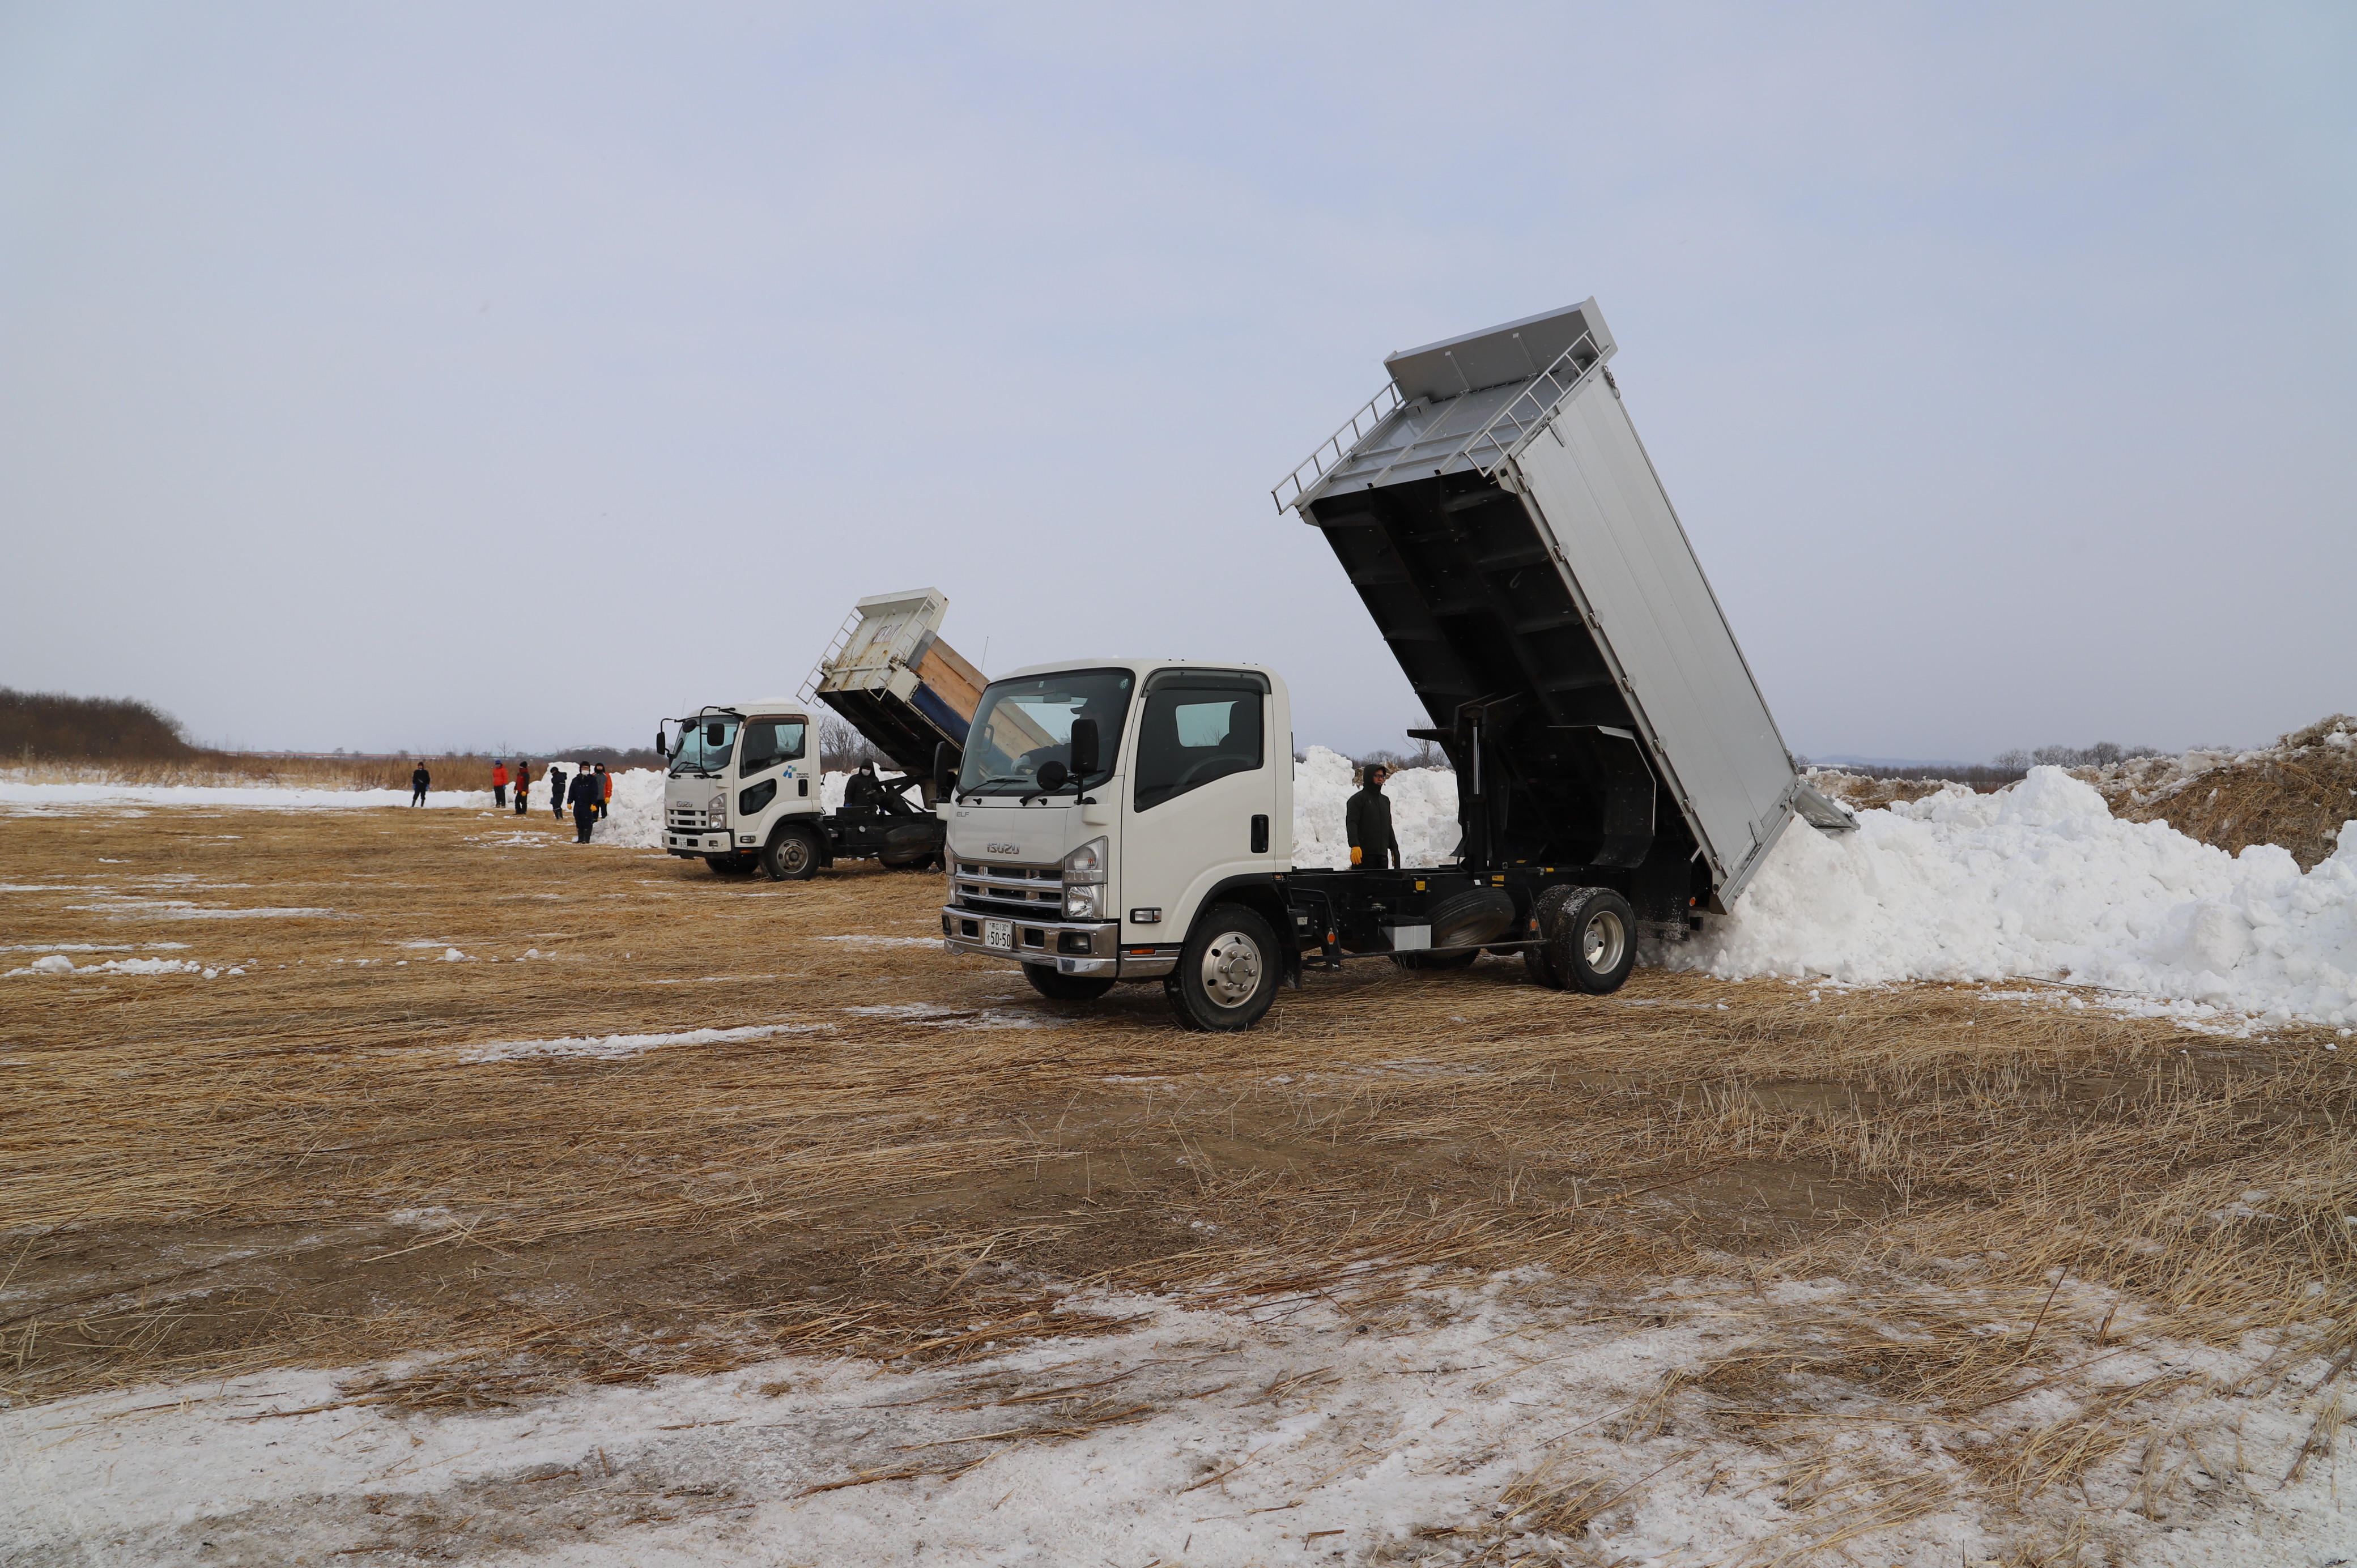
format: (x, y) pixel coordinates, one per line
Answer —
(1102, 807)
(744, 787)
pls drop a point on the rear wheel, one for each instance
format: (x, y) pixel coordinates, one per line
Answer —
(1059, 987)
(792, 855)
(1546, 909)
(1593, 944)
(1227, 972)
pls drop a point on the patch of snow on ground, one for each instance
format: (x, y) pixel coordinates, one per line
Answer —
(1293, 1434)
(57, 964)
(258, 798)
(614, 1045)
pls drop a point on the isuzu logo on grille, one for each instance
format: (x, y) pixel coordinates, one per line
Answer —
(1003, 848)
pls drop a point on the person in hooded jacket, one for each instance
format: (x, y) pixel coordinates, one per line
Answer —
(556, 791)
(584, 796)
(418, 780)
(1367, 817)
(499, 784)
(605, 792)
(863, 791)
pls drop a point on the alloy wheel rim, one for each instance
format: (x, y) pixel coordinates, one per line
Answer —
(1232, 969)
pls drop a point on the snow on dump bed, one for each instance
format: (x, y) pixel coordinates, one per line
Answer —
(2040, 881)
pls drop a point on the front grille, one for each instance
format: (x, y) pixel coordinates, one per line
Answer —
(1021, 892)
(688, 819)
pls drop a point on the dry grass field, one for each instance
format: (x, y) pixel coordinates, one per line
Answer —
(349, 1144)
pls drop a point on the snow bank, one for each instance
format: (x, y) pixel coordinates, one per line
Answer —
(261, 797)
(1424, 811)
(2042, 881)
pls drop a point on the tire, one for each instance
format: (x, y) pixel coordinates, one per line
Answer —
(730, 865)
(1057, 987)
(1470, 918)
(1546, 909)
(1228, 972)
(792, 854)
(1593, 943)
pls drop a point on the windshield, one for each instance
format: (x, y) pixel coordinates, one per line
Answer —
(1022, 725)
(705, 746)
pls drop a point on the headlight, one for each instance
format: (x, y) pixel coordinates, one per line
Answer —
(1086, 864)
(1084, 901)
(719, 808)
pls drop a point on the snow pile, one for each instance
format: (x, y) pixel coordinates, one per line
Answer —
(1424, 811)
(2042, 881)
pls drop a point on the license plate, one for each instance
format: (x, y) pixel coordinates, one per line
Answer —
(998, 934)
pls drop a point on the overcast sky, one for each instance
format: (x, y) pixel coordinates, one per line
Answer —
(413, 376)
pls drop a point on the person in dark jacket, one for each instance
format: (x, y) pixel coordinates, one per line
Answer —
(523, 783)
(586, 795)
(1368, 820)
(556, 791)
(417, 783)
(863, 792)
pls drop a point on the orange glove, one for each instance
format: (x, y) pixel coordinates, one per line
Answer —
(1354, 855)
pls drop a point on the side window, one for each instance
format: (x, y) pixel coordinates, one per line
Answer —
(1192, 734)
(768, 742)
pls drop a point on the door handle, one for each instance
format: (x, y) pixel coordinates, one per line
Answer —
(1260, 835)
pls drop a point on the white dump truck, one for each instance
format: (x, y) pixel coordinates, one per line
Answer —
(1130, 820)
(745, 791)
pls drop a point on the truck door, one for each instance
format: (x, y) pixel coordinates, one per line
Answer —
(774, 777)
(1201, 796)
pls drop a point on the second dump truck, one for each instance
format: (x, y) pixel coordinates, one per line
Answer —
(1618, 769)
(745, 791)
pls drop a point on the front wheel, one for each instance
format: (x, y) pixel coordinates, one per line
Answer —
(1592, 944)
(792, 855)
(1057, 986)
(1227, 972)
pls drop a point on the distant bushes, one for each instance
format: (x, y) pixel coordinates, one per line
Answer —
(49, 727)
(2096, 756)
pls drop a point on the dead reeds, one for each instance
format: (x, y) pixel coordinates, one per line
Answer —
(926, 1163)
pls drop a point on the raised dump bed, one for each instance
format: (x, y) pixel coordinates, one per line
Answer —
(889, 674)
(1501, 519)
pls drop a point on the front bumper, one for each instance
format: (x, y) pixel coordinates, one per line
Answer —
(712, 841)
(1075, 947)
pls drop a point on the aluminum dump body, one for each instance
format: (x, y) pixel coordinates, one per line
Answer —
(889, 673)
(1502, 521)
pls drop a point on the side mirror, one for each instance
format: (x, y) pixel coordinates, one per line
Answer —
(1084, 749)
(944, 769)
(661, 748)
(1053, 776)
(713, 733)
